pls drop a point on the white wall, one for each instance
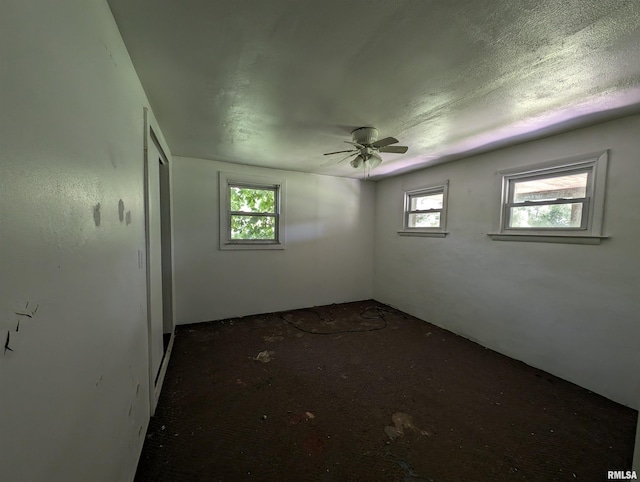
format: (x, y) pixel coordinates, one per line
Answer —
(571, 310)
(328, 256)
(636, 452)
(74, 402)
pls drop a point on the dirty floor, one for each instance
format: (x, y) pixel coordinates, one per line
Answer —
(362, 392)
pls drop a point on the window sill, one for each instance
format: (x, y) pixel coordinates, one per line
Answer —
(548, 238)
(250, 246)
(426, 234)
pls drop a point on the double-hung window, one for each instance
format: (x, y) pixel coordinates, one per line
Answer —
(560, 200)
(251, 211)
(425, 211)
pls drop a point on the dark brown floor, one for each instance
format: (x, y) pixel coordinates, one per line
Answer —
(256, 398)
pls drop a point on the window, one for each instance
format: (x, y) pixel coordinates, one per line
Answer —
(425, 211)
(251, 212)
(553, 201)
(563, 201)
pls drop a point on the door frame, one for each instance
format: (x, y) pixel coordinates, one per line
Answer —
(152, 134)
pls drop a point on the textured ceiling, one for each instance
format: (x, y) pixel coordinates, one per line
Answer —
(279, 83)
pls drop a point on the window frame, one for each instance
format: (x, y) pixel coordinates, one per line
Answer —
(278, 185)
(440, 231)
(586, 201)
(590, 230)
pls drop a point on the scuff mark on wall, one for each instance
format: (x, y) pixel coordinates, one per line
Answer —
(115, 152)
(24, 312)
(128, 218)
(121, 210)
(27, 313)
(7, 343)
(115, 64)
(96, 214)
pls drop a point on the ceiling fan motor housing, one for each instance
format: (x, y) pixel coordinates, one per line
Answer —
(365, 135)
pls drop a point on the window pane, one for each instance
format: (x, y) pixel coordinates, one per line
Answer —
(546, 216)
(425, 220)
(253, 227)
(431, 201)
(249, 200)
(570, 186)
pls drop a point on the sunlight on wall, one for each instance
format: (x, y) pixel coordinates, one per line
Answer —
(339, 202)
(302, 232)
(338, 207)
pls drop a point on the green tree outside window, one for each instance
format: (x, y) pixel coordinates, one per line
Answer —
(253, 213)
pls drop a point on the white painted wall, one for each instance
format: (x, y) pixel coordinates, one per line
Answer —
(328, 256)
(636, 452)
(571, 310)
(74, 399)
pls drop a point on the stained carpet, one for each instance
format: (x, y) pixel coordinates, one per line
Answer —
(362, 392)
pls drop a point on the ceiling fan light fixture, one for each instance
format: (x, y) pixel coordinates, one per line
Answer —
(356, 162)
(374, 160)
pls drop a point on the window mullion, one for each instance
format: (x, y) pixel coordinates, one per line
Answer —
(245, 213)
(432, 210)
(548, 202)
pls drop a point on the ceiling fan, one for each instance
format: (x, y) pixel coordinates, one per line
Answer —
(367, 148)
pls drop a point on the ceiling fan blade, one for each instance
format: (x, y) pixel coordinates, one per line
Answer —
(359, 146)
(331, 161)
(385, 142)
(394, 149)
(338, 152)
(345, 158)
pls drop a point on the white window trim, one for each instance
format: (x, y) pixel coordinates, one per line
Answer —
(230, 178)
(591, 233)
(439, 232)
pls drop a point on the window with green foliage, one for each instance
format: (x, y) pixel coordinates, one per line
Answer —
(425, 211)
(252, 212)
(555, 199)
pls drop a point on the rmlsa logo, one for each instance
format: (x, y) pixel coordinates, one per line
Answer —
(622, 475)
